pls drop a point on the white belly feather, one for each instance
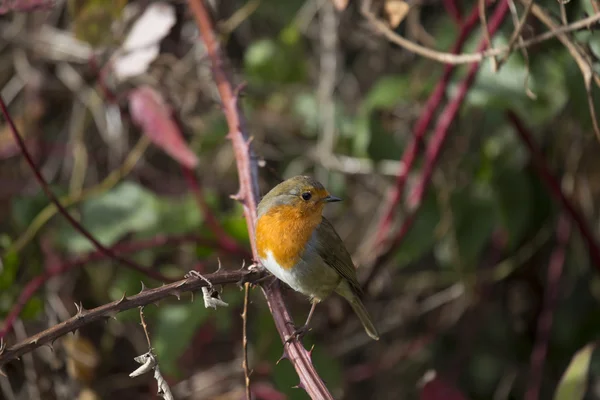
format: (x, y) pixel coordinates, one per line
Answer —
(311, 276)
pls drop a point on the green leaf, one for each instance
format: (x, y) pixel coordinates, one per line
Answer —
(25, 208)
(513, 194)
(420, 237)
(174, 327)
(127, 208)
(177, 216)
(474, 213)
(386, 93)
(573, 383)
(269, 61)
(9, 265)
(33, 308)
(507, 88)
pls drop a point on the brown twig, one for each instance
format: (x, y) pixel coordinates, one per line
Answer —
(145, 297)
(245, 341)
(467, 58)
(544, 328)
(578, 54)
(516, 33)
(248, 195)
(486, 32)
(52, 197)
(145, 327)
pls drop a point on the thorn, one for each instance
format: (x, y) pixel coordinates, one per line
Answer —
(177, 294)
(50, 346)
(300, 385)
(112, 315)
(284, 356)
(123, 298)
(236, 197)
(309, 352)
(80, 310)
(34, 341)
(219, 265)
(192, 293)
(143, 287)
(239, 88)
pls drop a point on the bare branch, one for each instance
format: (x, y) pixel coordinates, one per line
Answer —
(148, 296)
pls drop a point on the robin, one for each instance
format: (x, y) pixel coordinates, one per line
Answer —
(300, 247)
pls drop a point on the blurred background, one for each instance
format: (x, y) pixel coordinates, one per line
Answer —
(481, 281)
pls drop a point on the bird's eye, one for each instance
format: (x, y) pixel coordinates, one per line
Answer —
(306, 196)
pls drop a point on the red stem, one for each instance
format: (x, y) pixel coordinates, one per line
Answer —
(555, 189)
(453, 10)
(435, 145)
(226, 242)
(544, 328)
(248, 195)
(410, 154)
(53, 199)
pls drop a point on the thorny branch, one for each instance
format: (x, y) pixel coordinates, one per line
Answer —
(145, 297)
(248, 195)
(36, 283)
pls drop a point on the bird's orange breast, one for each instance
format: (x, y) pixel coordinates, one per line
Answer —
(284, 231)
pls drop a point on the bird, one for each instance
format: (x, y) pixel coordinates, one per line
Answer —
(300, 247)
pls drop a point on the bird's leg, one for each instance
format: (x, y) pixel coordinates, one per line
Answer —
(303, 330)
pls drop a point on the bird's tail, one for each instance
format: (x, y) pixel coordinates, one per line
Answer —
(364, 316)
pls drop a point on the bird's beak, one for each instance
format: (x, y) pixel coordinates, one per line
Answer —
(332, 199)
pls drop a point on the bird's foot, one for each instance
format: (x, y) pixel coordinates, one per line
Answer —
(298, 332)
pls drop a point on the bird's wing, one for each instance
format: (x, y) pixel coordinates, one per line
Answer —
(332, 250)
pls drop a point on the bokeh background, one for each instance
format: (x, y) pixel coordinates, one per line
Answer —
(491, 292)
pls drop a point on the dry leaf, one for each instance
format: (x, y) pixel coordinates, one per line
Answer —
(142, 44)
(82, 358)
(150, 112)
(340, 5)
(396, 11)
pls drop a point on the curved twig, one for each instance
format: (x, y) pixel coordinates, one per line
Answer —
(52, 197)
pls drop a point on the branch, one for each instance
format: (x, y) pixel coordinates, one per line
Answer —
(555, 189)
(410, 154)
(467, 58)
(36, 283)
(248, 195)
(145, 297)
(435, 146)
(544, 328)
(52, 197)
